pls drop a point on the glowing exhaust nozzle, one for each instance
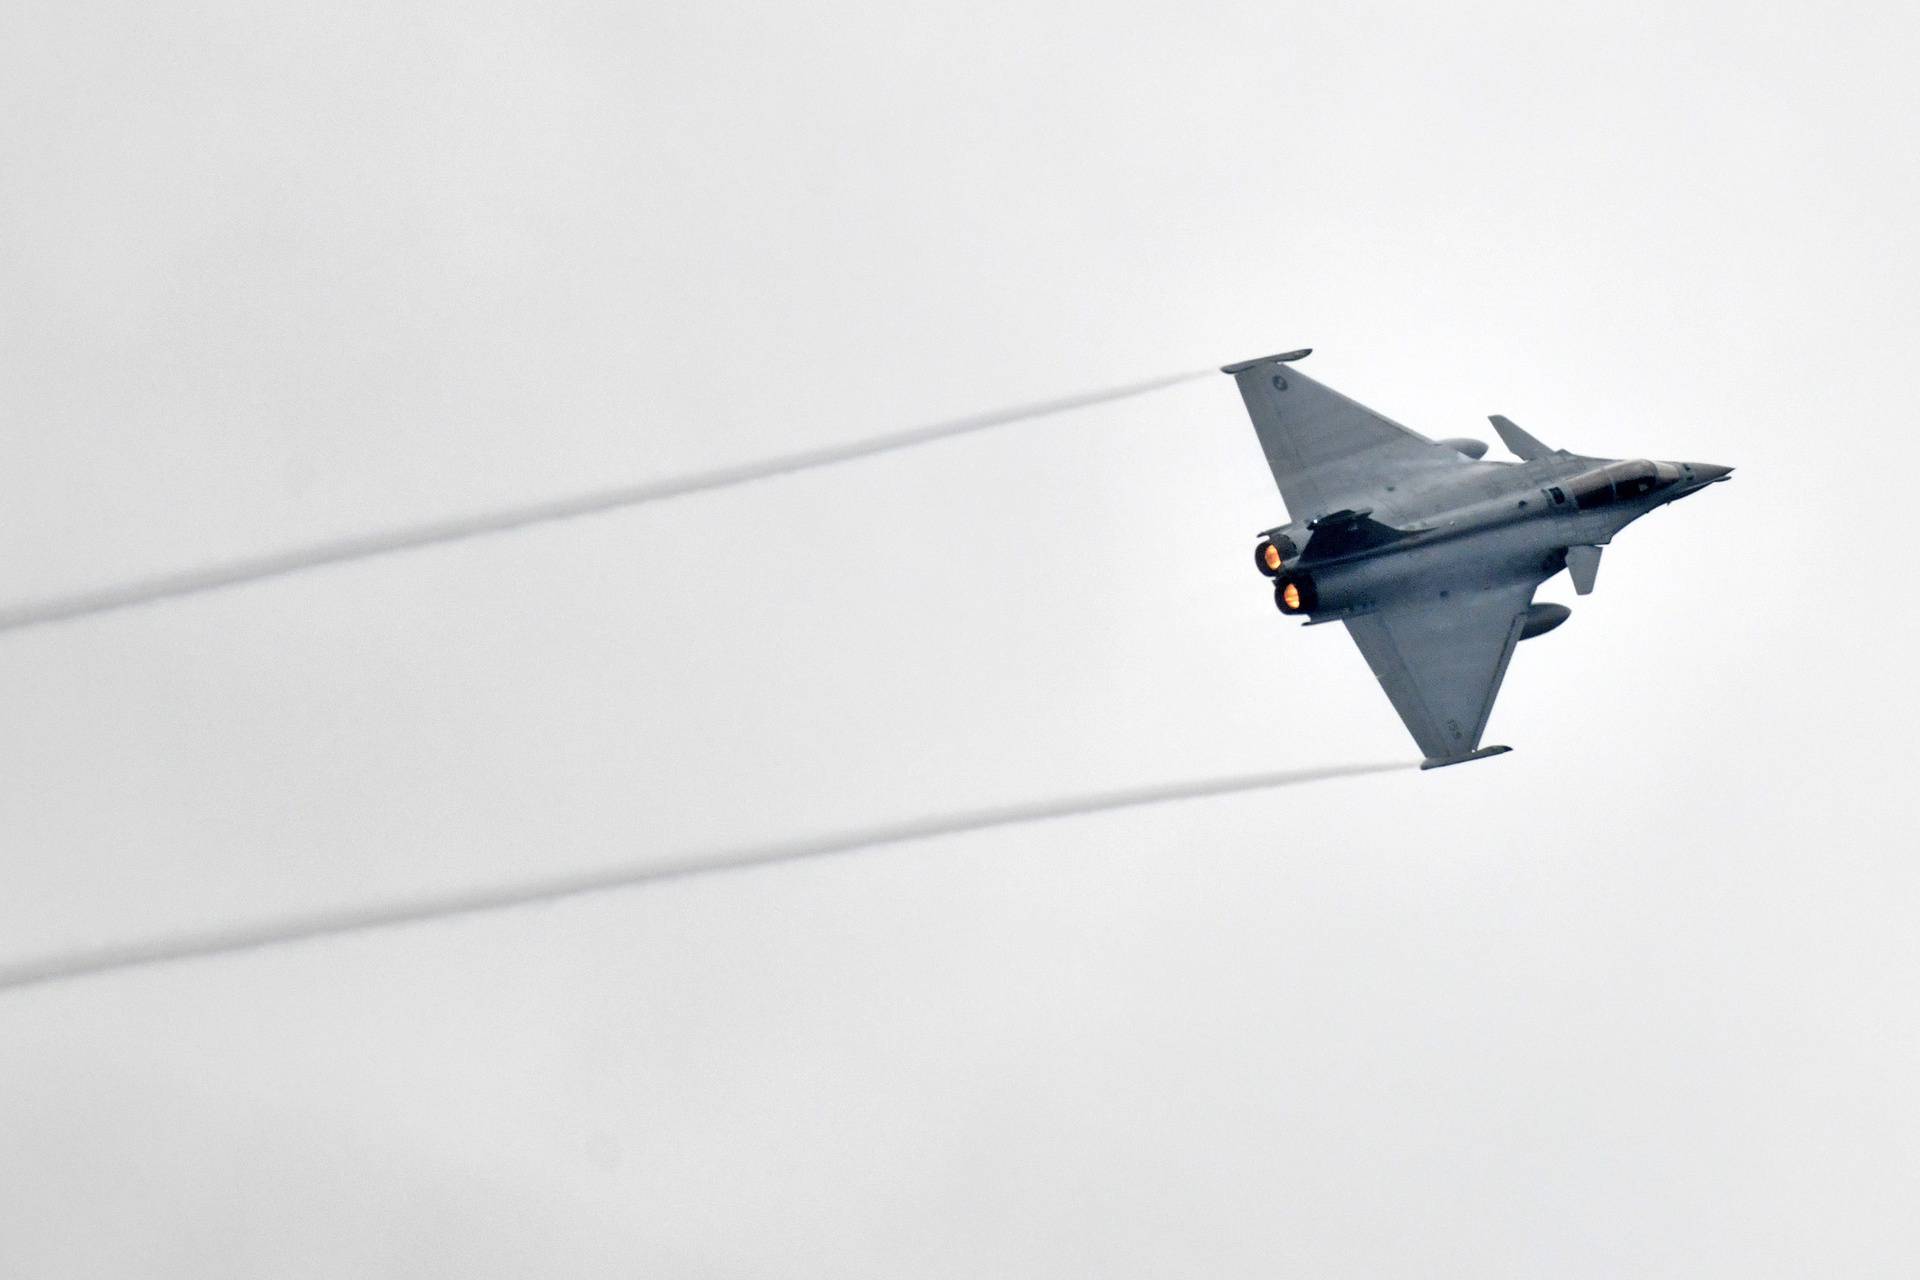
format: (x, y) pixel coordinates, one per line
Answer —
(1294, 592)
(1270, 555)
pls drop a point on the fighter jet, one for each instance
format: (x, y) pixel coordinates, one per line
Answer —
(1428, 554)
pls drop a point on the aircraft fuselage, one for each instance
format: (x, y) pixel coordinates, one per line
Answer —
(1488, 524)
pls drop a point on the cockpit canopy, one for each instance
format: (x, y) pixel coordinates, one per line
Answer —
(1621, 482)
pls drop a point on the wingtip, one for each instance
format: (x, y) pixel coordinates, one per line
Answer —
(1285, 357)
(1441, 762)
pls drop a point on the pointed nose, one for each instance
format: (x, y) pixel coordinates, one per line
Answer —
(1695, 476)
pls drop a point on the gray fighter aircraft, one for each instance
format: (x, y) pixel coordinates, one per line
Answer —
(1428, 554)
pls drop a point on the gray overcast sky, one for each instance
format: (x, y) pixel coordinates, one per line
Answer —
(1638, 999)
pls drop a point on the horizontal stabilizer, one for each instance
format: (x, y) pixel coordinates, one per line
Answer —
(1519, 443)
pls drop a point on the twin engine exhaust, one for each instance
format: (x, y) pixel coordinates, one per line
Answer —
(1294, 591)
(1292, 588)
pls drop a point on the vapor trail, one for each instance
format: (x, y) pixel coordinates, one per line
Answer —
(136, 955)
(363, 546)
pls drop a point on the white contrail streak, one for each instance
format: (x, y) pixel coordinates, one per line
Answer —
(362, 546)
(239, 938)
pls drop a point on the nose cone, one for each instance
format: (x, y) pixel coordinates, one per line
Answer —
(1695, 476)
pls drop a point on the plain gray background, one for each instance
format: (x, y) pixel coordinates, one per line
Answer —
(1638, 999)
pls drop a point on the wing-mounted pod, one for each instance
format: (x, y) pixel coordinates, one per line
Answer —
(1465, 446)
(1542, 618)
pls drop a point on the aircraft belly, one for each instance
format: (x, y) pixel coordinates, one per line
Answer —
(1438, 570)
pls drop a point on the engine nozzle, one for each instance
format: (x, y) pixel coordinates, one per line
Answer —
(1293, 593)
(1270, 554)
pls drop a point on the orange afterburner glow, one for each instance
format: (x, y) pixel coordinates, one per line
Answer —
(1272, 556)
(1290, 595)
